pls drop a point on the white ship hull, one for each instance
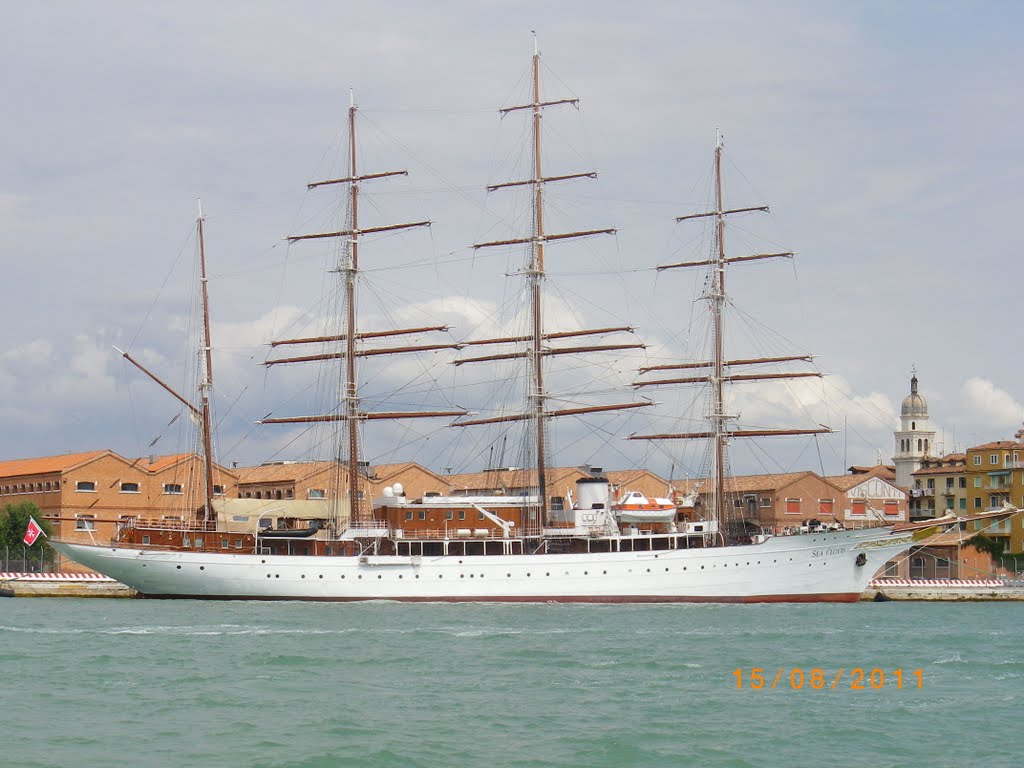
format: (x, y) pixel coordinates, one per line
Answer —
(810, 568)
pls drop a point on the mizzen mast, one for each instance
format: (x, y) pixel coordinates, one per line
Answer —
(349, 413)
(203, 412)
(537, 412)
(717, 376)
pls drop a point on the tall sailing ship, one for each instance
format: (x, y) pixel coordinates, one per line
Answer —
(495, 547)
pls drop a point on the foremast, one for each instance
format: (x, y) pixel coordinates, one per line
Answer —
(349, 413)
(719, 368)
(537, 412)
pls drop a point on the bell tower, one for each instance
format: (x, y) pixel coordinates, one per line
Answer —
(914, 440)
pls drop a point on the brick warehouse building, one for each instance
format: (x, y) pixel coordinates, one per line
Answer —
(84, 495)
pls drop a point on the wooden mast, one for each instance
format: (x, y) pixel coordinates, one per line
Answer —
(536, 412)
(206, 385)
(717, 377)
(350, 414)
(718, 416)
(203, 412)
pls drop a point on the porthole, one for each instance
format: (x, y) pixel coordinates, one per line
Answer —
(268, 575)
(399, 575)
(379, 576)
(321, 575)
(202, 567)
(178, 567)
(462, 575)
(277, 575)
(303, 576)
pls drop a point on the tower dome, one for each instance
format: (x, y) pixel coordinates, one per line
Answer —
(914, 406)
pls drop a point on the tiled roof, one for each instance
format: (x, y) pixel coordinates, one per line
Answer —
(947, 470)
(510, 478)
(748, 483)
(43, 464)
(383, 472)
(877, 469)
(160, 463)
(998, 444)
(282, 473)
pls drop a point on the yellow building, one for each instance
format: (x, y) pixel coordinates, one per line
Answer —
(995, 476)
(939, 487)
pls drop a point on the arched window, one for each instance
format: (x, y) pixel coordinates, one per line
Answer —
(913, 425)
(926, 445)
(919, 443)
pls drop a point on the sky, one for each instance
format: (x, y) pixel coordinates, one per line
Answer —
(883, 135)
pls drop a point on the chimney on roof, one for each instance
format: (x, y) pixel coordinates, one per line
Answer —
(152, 458)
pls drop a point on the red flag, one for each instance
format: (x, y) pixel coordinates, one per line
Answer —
(33, 532)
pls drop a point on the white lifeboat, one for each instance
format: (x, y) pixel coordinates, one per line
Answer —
(634, 507)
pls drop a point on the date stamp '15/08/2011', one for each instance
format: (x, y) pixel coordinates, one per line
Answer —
(855, 679)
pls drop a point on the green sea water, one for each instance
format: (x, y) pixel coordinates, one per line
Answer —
(139, 683)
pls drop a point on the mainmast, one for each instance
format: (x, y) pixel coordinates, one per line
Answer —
(718, 366)
(537, 411)
(350, 414)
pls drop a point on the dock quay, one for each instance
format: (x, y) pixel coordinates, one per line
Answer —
(61, 584)
(944, 589)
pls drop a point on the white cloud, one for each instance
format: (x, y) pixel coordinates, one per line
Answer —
(991, 407)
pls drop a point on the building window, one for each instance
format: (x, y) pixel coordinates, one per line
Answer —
(87, 486)
(85, 523)
(891, 508)
(949, 483)
(963, 482)
(963, 504)
(977, 481)
(127, 487)
(977, 502)
(408, 514)
(172, 488)
(462, 514)
(317, 493)
(766, 501)
(423, 514)
(860, 507)
(449, 515)
(480, 516)
(557, 503)
(949, 502)
(993, 458)
(218, 490)
(977, 461)
(826, 506)
(931, 482)
(792, 506)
